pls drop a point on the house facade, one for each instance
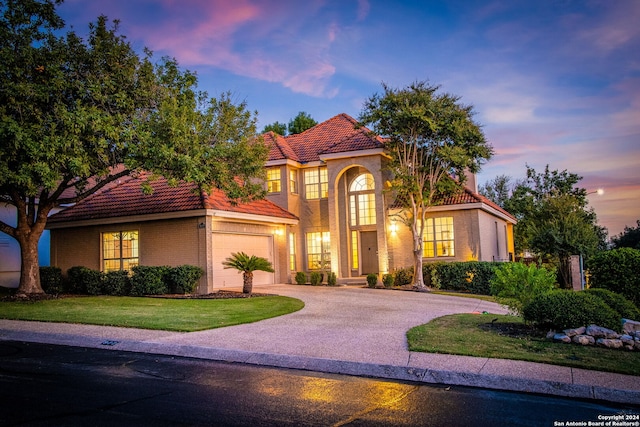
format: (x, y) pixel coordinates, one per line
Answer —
(334, 178)
(327, 209)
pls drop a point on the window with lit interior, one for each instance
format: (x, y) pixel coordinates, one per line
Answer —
(438, 240)
(318, 250)
(273, 180)
(362, 200)
(316, 183)
(119, 250)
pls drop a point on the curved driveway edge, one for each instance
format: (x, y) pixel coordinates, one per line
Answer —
(346, 330)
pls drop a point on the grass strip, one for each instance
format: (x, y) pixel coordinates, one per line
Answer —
(182, 315)
(509, 338)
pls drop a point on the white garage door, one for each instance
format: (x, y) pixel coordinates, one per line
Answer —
(224, 244)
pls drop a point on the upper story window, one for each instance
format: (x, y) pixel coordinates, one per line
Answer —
(273, 180)
(438, 238)
(362, 200)
(316, 183)
(119, 250)
(293, 181)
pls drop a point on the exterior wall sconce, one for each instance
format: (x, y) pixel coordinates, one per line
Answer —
(393, 227)
(201, 225)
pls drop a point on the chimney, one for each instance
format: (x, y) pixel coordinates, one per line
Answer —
(471, 183)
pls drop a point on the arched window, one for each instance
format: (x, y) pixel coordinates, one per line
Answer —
(362, 200)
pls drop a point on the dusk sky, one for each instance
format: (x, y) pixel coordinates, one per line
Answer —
(553, 82)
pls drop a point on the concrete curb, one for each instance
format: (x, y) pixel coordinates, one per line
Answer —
(458, 377)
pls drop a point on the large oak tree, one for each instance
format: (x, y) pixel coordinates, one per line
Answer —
(433, 140)
(76, 115)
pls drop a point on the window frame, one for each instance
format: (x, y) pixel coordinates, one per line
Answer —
(316, 183)
(362, 200)
(293, 181)
(274, 182)
(318, 261)
(434, 245)
(121, 260)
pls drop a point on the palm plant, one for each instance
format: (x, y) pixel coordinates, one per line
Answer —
(247, 265)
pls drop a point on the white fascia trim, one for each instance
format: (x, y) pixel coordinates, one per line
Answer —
(251, 217)
(468, 206)
(131, 218)
(281, 162)
(351, 154)
(174, 215)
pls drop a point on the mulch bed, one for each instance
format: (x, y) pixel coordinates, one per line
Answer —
(513, 330)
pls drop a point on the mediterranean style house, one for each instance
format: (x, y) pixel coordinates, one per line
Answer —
(326, 210)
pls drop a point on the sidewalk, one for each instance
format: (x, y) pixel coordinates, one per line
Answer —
(346, 330)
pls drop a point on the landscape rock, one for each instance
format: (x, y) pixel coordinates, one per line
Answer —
(584, 339)
(600, 332)
(576, 331)
(629, 326)
(609, 343)
(627, 340)
(561, 338)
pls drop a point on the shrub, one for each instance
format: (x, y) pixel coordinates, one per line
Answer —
(315, 278)
(51, 280)
(332, 279)
(372, 280)
(403, 276)
(617, 270)
(183, 279)
(301, 278)
(516, 284)
(387, 280)
(117, 282)
(83, 280)
(618, 302)
(471, 276)
(563, 309)
(148, 281)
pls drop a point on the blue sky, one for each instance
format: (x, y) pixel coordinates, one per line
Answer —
(553, 82)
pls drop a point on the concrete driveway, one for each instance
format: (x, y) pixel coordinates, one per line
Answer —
(340, 323)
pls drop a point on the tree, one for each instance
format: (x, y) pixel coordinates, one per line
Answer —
(554, 220)
(277, 128)
(431, 138)
(300, 123)
(498, 190)
(247, 265)
(629, 238)
(76, 115)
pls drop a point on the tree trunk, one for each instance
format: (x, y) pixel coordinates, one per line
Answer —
(247, 279)
(30, 269)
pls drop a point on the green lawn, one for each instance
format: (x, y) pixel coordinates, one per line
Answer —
(475, 335)
(184, 315)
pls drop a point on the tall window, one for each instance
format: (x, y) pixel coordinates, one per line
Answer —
(293, 181)
(292, 251)
(316, 183)
(119, 250)
(318, 251)
(362, 200)
(354, 249)
(438, 238)
(273, 180)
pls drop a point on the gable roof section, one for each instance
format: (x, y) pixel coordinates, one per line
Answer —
(339, 134)
(469, 197)
(126, 199)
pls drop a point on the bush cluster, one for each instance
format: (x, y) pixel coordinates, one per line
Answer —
(144, 280)
(51, 280)
(618, 302)
(563, 309)
(301, 278)
(332, 279)
(315, 278)
(617, 270)
(372, 280)
(471, 276)
(388, 280)
(516, 284)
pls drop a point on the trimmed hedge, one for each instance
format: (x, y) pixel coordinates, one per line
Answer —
(617, 270)
(117, 283)
(563, 309)
(83, 280)
(148, 281)
(372, 280)
(315, 278)
(618, 302)
(301, 278)
(51, 280)
(183, 279)
(471, 276)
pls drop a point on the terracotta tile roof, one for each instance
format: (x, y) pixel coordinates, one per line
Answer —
(339, 134)
(126, 199)
(467, 197)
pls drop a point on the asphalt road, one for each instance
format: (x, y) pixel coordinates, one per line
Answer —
(47, 385)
